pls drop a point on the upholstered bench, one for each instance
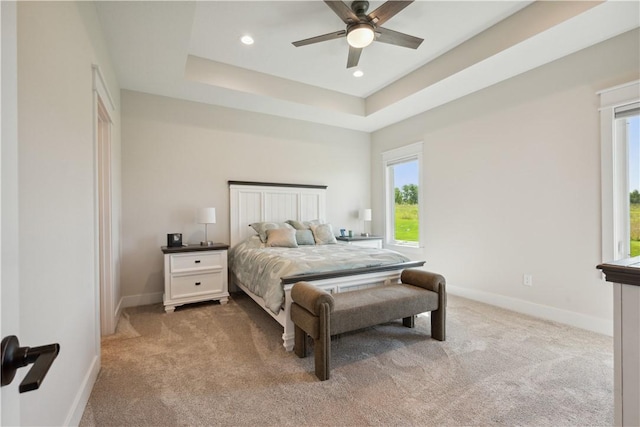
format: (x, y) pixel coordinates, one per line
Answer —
(320, 314)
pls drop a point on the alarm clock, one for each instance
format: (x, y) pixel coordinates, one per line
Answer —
(174, 239)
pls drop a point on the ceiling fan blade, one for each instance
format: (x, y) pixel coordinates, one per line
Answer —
(354, 56)
(387, 11)
(343, 11)
(385, 35)
(322, 38)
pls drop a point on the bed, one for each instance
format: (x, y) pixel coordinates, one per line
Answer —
(267, 274)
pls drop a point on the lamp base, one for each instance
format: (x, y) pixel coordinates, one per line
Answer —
(208, 243)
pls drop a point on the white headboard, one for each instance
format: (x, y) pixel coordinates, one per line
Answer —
(259, 201)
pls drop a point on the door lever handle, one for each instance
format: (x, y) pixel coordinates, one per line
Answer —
(15, 357)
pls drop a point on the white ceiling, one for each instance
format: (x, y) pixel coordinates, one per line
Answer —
(192, 50)
(275, 25)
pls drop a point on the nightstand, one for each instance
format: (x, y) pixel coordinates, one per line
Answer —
(195, 273)
(365, 241)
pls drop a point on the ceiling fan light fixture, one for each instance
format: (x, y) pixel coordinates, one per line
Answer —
(360, 35)
(362, 29)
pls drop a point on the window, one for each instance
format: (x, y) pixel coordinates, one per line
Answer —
(628, 134)
(403, 208)
(619, 121)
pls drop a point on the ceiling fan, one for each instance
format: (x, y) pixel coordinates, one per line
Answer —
(362, 28)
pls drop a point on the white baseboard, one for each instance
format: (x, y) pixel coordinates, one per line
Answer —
(82, 397)
(571, 318)
(141, 299)
(118, 311)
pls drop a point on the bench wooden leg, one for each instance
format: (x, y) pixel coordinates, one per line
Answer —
(300, 346)
(409, 322)
(322, 355)
(322, 346)
(438, 325)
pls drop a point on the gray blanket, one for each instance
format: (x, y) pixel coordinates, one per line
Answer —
(260, 268)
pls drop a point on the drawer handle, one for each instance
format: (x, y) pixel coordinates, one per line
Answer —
(197, 261)
(198, 283)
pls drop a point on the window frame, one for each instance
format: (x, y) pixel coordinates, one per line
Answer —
(614, 180)
(389, 158)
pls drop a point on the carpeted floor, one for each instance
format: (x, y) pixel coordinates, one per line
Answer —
(211, 364)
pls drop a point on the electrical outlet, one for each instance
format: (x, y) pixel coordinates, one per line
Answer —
(527, 280)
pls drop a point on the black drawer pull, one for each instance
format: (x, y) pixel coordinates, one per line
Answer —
(197, 261)
(198, 283)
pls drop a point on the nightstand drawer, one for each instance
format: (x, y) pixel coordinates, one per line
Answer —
(186, 262)
(196, 284)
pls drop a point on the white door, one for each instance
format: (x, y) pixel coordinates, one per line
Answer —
(10, 301)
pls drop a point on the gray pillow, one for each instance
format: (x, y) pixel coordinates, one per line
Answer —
(323, 234)
(305, 237)
(304, 225)
(262, 227)
(282, 237)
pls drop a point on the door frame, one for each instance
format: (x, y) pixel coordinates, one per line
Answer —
(104, 108)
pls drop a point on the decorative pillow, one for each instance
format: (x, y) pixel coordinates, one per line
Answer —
(305, 237)
(296, 224)
(262, 227)
(282, 237)
(304, 225)
(323, 234)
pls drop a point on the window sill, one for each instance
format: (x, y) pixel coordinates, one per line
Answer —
(410, 251)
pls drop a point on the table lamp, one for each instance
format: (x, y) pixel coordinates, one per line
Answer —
(365, 215)
(206, 216)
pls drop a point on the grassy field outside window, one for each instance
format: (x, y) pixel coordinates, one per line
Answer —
(406, 223)
(634, 228)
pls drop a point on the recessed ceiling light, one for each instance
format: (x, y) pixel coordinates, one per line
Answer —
(358, 73)
(246, 40)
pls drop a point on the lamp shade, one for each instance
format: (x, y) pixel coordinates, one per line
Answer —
(206, 216)
(365, 214)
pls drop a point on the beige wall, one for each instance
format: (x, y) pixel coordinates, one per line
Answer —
(179, 155)
(57, 44)
(512, 186)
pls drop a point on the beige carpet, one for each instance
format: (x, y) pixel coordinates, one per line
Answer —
(211, 364)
